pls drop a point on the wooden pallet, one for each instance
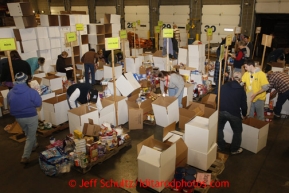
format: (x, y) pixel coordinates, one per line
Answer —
(55, 128)
(103, 158)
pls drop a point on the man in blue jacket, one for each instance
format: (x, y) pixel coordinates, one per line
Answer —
(23, 102)
(232, 99)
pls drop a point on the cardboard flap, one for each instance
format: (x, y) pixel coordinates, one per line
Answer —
(209, 100)
(150, 156)
(124, 86)
(108, 106)
(260, 128)
(198, 108)
(144, 142)
(164, 101)
(166, 131)
(90, 121)
(187, 113)
(129, 76)
(171, 151)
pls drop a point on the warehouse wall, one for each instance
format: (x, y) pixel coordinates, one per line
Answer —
(246, 21)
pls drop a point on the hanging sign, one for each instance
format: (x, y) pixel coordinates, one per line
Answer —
(112, 43)
(237, 30)
(228, 40)
(258, 30)
(157, 29)
(71, 37)
(123, 34)
(168, 33)
(209, 32)
(79, 27)
(7, 44)
(160, 23)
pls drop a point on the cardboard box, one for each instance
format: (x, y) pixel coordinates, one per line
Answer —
(111, 18)
(41, 32)
(29, 45)
(198, 136)
(277, 66)
(40, 112)
(80, 115)
(53, 32)
(188, 92)
(202, 160)
(54, 82)
(49, 20)
(127, 84)
(145, 69)
(166, 110)
(210, 101)
(136, 51)
(43, 44)
(121, 108)
(106, 111)
(108, 71)
(20, 9)
(185, 117)
(25, 34)
(156, 162)
(25, 21)
(171, 136)
(55, 109)
(91, 129)
(133, 64)
(254, 135)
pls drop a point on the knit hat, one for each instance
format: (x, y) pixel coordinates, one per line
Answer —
(93, 95)
(20, 78)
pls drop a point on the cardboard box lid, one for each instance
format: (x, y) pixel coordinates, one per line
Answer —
(164, 101)
(107, 107)
(91, 129)
(155, 152)
(187, 113)
(197, 108)
(83, 109)
(259, 128)
(127, 84)
(56, 99)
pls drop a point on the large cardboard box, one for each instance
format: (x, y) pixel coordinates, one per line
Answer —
(133, 64)
(121, 108)
(156, 162)
(80, 115)
(210, 101)
(166, 110)
(188, 92)
(40, 112)
(55, 109)
(254, 135)
(54, 82)
(202, 160)
(108, 71)
(127, 84)
(106, 111)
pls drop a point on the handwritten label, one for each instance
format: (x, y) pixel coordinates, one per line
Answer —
(157, 29)
(79, 27)
(160, 23)
(123, 34)
(112, 43)
(228, 40)
(209, 32)
(134, 24)
(168, 33)
(7, 44)
(71, 37)
(138, 22)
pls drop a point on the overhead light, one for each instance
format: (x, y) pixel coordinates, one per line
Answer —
(228, 29)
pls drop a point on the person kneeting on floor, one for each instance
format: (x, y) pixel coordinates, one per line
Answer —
(23, 102)
(232, 99)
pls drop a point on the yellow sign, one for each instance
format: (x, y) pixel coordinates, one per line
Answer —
(134, 24)
(160, 23)
(79, 27)
(122, 34)
(157, 29)
(222, 53)
(112, 43)
(168, 33)
(71, 37)
(7, 44)
(228, 40)
(209, 32)
(138, 22)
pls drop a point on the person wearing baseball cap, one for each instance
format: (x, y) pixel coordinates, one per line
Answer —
(23, 102)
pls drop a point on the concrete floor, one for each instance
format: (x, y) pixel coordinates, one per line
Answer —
(264, 172)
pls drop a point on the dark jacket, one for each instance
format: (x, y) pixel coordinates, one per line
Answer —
(233, 98)
(60, 64)
(240, 58)
(89, 57)
(18, 66)
(23, 101)
(84, 89)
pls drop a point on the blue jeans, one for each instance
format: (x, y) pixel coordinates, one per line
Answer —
(29, 126)
(173, 92)
(87, 68)
(236, 125)
(282, 97)
(257, 106)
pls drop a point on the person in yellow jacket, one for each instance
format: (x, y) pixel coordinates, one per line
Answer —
(256, 85)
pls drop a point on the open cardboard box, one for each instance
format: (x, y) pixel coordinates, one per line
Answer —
(276, 66)
(210, 101)
(55, 109)
(121, 108)
(254, 135)
(106, 111)
(156, 162)
(80, 115)
(54, 82)
(107, 71)
(187, 114)
(171, 136)
(133, 64)
(40, 109)
(166, 110)
(91, 129)
(127, 84)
